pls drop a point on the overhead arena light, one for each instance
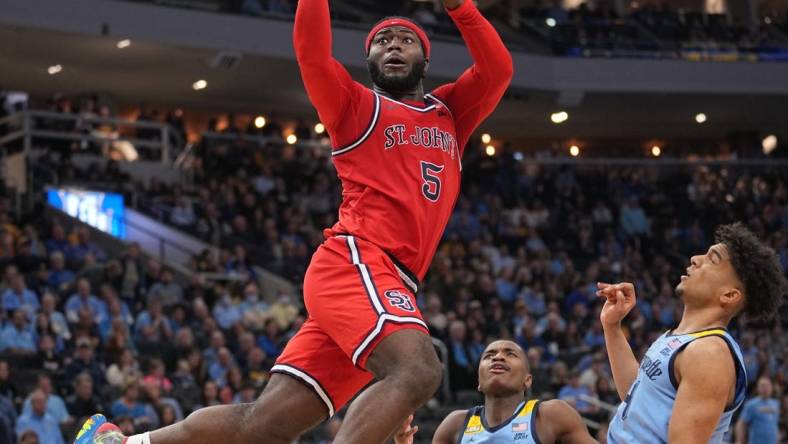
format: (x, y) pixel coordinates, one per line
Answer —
(320, 128)
(656, 151)
(559, 117)
(769, 144)
(125, 43)
(550, 22)
(574, 150)
(700, 118)
(54, 69)
(259, 122)
(486, 138)
(490, 150)
(292, 139)
(200, 84)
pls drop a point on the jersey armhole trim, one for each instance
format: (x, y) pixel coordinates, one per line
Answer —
(441, 102)
(468, 416)
(533, 422)
(373, 122)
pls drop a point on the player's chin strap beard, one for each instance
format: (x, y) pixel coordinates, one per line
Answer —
(398, 85)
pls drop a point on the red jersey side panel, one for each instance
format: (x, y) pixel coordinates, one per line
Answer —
(400, 180)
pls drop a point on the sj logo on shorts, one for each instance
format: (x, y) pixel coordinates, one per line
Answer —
(400, 300)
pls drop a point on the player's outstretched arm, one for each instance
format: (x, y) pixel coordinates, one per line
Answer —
(479, 89)
(450, 428)
(564, 423)
(705, 373)
(619, 301)
(328, 84)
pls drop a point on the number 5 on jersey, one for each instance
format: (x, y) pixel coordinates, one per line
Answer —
(431, 189)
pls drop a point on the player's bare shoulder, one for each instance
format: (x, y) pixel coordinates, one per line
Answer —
(707, 352)
(450, 429)
(559, 422)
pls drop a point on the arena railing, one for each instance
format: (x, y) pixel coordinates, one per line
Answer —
(596, 402)
(209, 137)
(106, 133)
(656, 162)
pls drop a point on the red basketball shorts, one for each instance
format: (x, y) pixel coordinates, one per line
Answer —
(355, 297)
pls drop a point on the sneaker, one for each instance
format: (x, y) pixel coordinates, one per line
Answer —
(96, 430)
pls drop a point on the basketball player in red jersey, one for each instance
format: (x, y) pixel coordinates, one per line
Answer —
(398, 154)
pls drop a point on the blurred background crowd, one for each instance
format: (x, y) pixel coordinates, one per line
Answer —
(88, 330)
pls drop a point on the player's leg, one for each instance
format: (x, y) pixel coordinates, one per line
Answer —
(355, 294)
(286, 409)
(292, 403)
(408, 373)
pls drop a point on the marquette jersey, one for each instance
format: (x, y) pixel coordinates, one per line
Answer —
(519, 429)
(400, 180)
(644, 416)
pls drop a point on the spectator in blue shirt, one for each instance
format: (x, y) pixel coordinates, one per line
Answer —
(17, 295)
(634, 221)
(218, 370)
(55, 405)
(59, 277)
(17, 338)
(76, 251)
(57, 240)
(758, 423)
(253, 310)
(84, 299)
(84, 361)
(152, 325)
(270, 341)
(166, 290)
(572, 393)
(226, 312)
(7, 416)
(56, 318)
(39, 421)
(129, 405)
(116, 310)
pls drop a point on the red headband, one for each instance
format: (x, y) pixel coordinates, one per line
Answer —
(425, 42)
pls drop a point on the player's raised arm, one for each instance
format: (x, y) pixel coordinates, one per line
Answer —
(479, 89)
(706, 374)
(330, 87)
(620, 299)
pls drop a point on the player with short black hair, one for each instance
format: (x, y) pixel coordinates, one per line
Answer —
(692, 379)
(507, 415)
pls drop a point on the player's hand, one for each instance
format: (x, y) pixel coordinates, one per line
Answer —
(452, 4)
(405, 434)
(619, 301)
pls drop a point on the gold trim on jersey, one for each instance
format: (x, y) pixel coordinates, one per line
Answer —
(474, 425)
(702, 334)
(529, 407)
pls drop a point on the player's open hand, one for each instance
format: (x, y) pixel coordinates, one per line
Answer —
(405, 434)
(619, 301)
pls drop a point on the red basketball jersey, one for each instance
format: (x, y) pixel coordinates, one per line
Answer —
(399, 163)
(400, 179)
